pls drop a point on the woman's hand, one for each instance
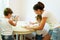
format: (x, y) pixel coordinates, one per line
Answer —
(33, 23)
(28, 27)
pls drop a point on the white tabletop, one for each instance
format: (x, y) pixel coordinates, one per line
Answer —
(19, 28)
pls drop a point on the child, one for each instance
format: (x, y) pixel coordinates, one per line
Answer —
(49, 18)
(39, 37)
(6, 25)
(41, 34)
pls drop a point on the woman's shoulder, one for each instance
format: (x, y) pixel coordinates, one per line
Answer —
(46, 14)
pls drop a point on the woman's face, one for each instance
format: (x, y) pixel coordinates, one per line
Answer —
(38, 11)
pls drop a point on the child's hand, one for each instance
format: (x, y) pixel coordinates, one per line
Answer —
(16, 18)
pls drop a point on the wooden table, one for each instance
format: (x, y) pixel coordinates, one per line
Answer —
(19, 29)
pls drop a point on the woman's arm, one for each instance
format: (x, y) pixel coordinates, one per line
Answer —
(41, 26)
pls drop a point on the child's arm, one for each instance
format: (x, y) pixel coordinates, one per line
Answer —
(12, 23)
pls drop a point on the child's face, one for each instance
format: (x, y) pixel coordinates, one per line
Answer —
(39, 20)
(38, 11)
(9, 15)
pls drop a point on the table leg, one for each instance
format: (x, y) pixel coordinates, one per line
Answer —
(21, 37)
(24, 37)
(34, 38)
(16, 36)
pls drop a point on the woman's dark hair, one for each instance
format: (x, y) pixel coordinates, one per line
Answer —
(39, 5)
(7, 11)
(39, 17)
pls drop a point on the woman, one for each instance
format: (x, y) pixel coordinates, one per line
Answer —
(49, 18)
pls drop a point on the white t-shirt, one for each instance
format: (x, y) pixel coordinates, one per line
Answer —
(6, 28)
(51, 19)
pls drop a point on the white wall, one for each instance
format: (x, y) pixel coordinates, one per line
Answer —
(25, 10)
(53, 6)
(19, 8)
(3, 5)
